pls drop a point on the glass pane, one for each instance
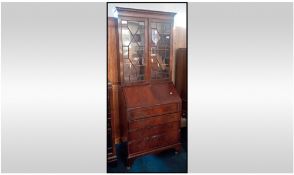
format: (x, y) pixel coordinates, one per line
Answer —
(164, 41)
(155, 36)
(126, 36)
(160, 50)
(125, 52)
(133, 26)
(163, 28)
(123, 22)
(153, 25)
(133, 51)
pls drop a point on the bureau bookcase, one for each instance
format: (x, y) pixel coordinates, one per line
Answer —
(150, 107)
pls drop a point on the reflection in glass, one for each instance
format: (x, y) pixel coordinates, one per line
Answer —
(124, 22)
(126, 37)
(163, 28)
(133, 26)
(133, 50)
(155, 36)
(125, 52)
(160, 50)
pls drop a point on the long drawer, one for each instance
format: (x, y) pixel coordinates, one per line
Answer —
(153, 111)
(156, 141)
(151, 121)
(153, 130)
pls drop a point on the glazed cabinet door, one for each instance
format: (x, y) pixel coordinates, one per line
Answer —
(160, 41)
(133, 49)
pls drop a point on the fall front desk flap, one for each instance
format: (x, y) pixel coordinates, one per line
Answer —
(150, 95)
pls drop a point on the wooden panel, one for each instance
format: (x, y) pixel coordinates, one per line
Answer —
(115, 113)
(113, 77)
(151, 121)
(179, 38)
(155, 141)
(181, 77)
(144, 13)
(112, 49)
(153, 130)
(111, 152)
(153, 111)
(139, 96)
(166, 92)
(179, 42)
(150, 95)
(123, 116)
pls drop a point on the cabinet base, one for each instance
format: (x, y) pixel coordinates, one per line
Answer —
(132, 157)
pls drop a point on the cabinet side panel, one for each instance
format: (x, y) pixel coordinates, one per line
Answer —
(113, 77)
(123, 116)
(112, 49)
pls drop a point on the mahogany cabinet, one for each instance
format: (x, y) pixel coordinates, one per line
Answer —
(150, 107)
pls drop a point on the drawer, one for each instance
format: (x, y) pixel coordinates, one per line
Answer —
(151, 121)
(153, 111)
(153, 130)
(152, 142)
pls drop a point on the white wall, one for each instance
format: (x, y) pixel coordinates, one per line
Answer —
(53, 87)
(240, 87)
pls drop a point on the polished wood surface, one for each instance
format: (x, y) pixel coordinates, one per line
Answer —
(155, 141)
(158, 109)
(181, 78)
(129, 12)
(180, 41)
(151, 119)
(150, 95)
(111, 151)
(112, 50)
(151, 130)
(113, 69)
